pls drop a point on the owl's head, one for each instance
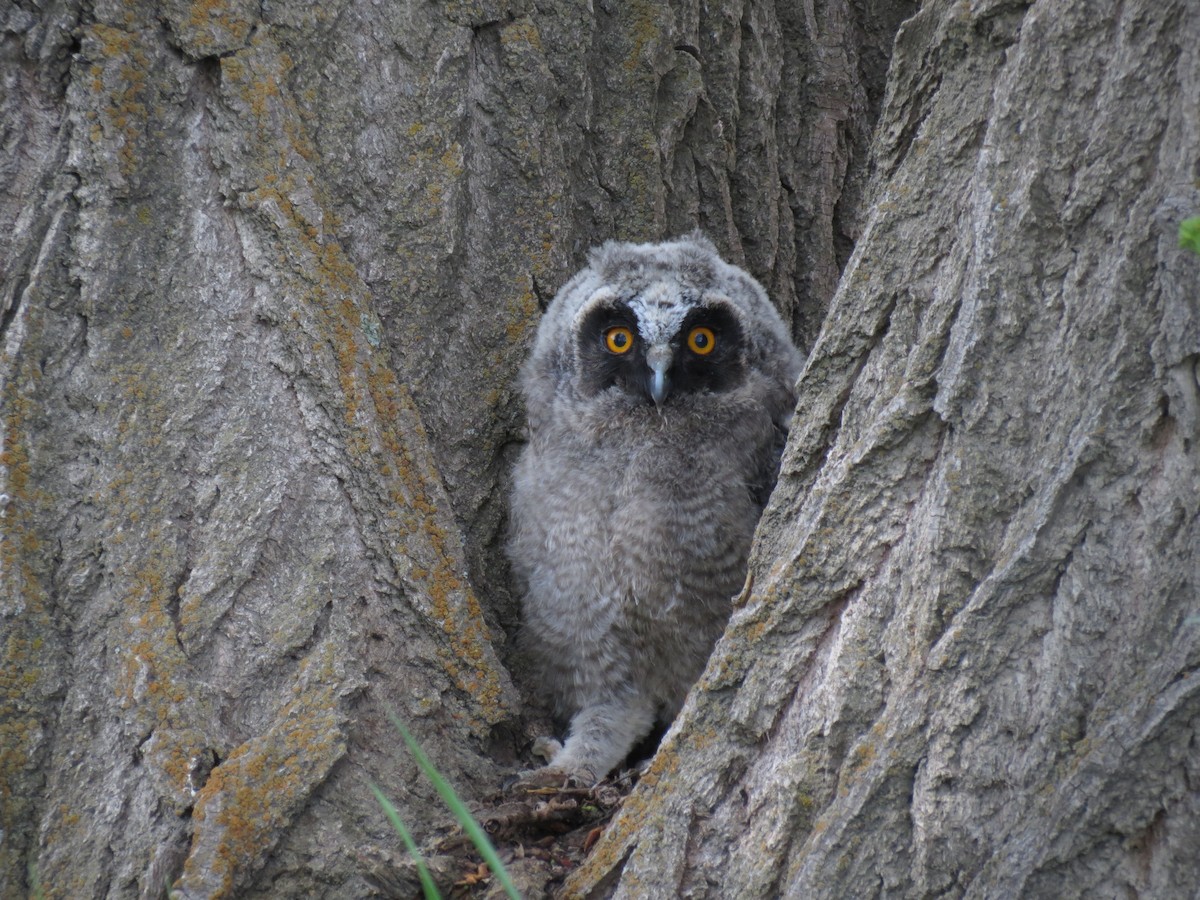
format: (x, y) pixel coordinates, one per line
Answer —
(657, 322)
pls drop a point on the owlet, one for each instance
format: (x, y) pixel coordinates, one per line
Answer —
(658, 391)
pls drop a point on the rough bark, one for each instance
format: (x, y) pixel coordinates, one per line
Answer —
(970, 664)
(268, 272)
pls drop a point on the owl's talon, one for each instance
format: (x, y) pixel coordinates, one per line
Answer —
(537, 779)
(546, 747)
(550, 778)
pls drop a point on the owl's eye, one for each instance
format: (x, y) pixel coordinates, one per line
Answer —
(701, 340)
(618, 339)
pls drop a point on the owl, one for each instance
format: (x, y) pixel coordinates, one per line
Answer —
(658, 392)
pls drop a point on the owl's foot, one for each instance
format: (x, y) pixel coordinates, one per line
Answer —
(546, 748)
(559, 777)
(552, 778)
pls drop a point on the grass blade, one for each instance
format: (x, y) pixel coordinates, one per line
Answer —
(476, 833)
(35, 886)
(431, 891)
(1189, 234)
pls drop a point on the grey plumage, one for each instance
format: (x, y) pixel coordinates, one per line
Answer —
(658, 393)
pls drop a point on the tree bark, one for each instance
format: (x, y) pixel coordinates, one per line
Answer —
(969, 665)
(268, 273)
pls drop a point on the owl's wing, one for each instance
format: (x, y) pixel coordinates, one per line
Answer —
(550, 366)
(778, 395)
(767, 473)
(540, 378)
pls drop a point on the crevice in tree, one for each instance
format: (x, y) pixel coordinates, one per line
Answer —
(1064, 566)
(175, 593)
(54, 222)
(200, 768)
(694, 836)
(831, 612)
(798, 828)
(12, 302)
(543, 294)
(138, 755)
(817, 456)
(319, 630)
(886, 159)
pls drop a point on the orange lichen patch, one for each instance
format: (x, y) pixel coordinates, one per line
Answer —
(753, 630)
(521, 31)
(862, 756)
(704, 738)
(454, 607)
(453, 604)
(254, 83)
(214, 26)
(252, 796)
(377, 421)
(521, 311)
(145, 676)
(452, 160)
(121, 75)
(730, 664)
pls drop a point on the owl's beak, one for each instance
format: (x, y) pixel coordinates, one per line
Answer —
(659, 360)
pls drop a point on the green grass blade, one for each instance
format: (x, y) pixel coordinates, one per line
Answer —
(476, 833)
(431, 891)
(1189, 234)
(35, 886)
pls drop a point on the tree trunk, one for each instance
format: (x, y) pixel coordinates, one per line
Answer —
(268, 273)
(969, 665)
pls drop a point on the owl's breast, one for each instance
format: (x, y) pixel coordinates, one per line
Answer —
(654, 508)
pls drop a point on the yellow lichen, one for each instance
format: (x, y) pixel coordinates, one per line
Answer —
(212, 24)
(522, 31)
(249, 799)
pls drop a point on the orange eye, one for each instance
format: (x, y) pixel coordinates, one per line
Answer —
(618, 339)
(701, 340)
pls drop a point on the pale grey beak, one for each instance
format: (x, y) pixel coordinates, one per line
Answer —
(659, 358)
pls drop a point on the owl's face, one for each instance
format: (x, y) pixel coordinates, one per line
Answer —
(656, 325)
(658, 345)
